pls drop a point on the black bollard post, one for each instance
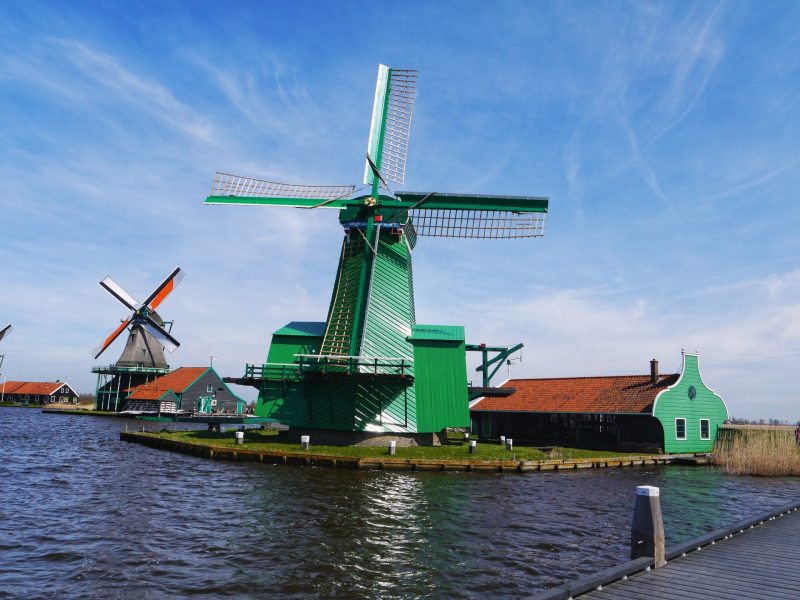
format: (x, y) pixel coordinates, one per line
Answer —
(647, 531)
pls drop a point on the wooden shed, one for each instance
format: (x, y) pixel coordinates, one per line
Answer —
(672, 413)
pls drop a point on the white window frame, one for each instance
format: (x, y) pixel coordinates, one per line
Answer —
(708, 437)
(685, 432)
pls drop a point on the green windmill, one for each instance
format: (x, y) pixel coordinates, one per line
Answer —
(370, 369)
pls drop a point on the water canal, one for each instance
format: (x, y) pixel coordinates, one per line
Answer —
(85, 515)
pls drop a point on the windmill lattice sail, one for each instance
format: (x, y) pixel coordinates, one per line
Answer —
(481, 224)
(395, 94)
(5, 331)
(226, 184)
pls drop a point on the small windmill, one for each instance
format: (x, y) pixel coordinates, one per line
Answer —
(3, 333)
(148, 336)
(368, 372)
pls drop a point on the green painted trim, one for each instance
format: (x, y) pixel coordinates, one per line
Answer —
(403, 201)
(379, 154)
(200, 377)
(437, 333)
(376, 122)
(290, 202)
(225, 385)
(469, 202)
(362, 299)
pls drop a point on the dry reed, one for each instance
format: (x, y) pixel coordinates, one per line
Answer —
(752, 451)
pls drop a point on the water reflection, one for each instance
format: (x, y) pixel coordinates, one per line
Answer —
(87, 515)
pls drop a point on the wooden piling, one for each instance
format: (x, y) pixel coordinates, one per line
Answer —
(647, 530)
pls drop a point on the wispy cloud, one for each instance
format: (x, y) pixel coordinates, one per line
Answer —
(117, 84)
(696, 60)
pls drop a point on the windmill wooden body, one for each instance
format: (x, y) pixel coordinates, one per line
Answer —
(143, 356)
(370, 368)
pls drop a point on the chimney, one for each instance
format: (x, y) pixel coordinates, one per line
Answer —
(654, 371)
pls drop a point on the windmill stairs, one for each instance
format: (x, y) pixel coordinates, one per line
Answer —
(342, 313)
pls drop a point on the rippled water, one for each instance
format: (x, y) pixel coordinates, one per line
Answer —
(83, 514)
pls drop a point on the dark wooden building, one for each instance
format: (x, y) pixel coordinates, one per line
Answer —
(187, 390)
(38, 392)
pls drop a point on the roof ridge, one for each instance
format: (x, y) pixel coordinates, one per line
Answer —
(661, 376)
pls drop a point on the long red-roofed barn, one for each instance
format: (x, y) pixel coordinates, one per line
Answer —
(38, 392)
(672, 413)
(187, 390)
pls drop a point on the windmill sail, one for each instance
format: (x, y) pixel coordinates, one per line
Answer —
(387, 148)
(481, 224)
(227, 187)
(472, 215)
(147, 334)
(5, 331)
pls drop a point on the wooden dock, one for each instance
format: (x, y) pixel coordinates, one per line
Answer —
(755, 558)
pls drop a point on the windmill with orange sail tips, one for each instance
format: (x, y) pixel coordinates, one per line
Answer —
(148, 335)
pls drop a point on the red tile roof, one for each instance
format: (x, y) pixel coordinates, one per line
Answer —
(613, 394)
(33, 388)
(177, 381)
(11, 386)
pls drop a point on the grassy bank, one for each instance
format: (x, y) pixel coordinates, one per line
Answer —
(455, 449)
(765, 451)
(80, 411)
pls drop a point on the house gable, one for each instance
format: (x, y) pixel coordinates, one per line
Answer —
(683, 405)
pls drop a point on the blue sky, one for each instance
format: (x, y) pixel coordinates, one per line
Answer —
(664, 134)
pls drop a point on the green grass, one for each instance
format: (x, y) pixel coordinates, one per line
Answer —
(455, 449)
(82, 411)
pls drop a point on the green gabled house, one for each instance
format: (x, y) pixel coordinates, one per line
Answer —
(675, 413)
(689, 411)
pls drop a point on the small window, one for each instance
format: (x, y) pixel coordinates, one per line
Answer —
(209, 389)
(705, 429)
(680, 429)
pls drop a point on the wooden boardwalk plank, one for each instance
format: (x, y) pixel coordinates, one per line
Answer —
(701, 576)
(731, 569)
(733, 583)
(659, 589)
(762, 562)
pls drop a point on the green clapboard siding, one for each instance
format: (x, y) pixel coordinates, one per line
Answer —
(440, 370)
(675, 403)
(284, 400)
(388, 323)
(284, 347)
